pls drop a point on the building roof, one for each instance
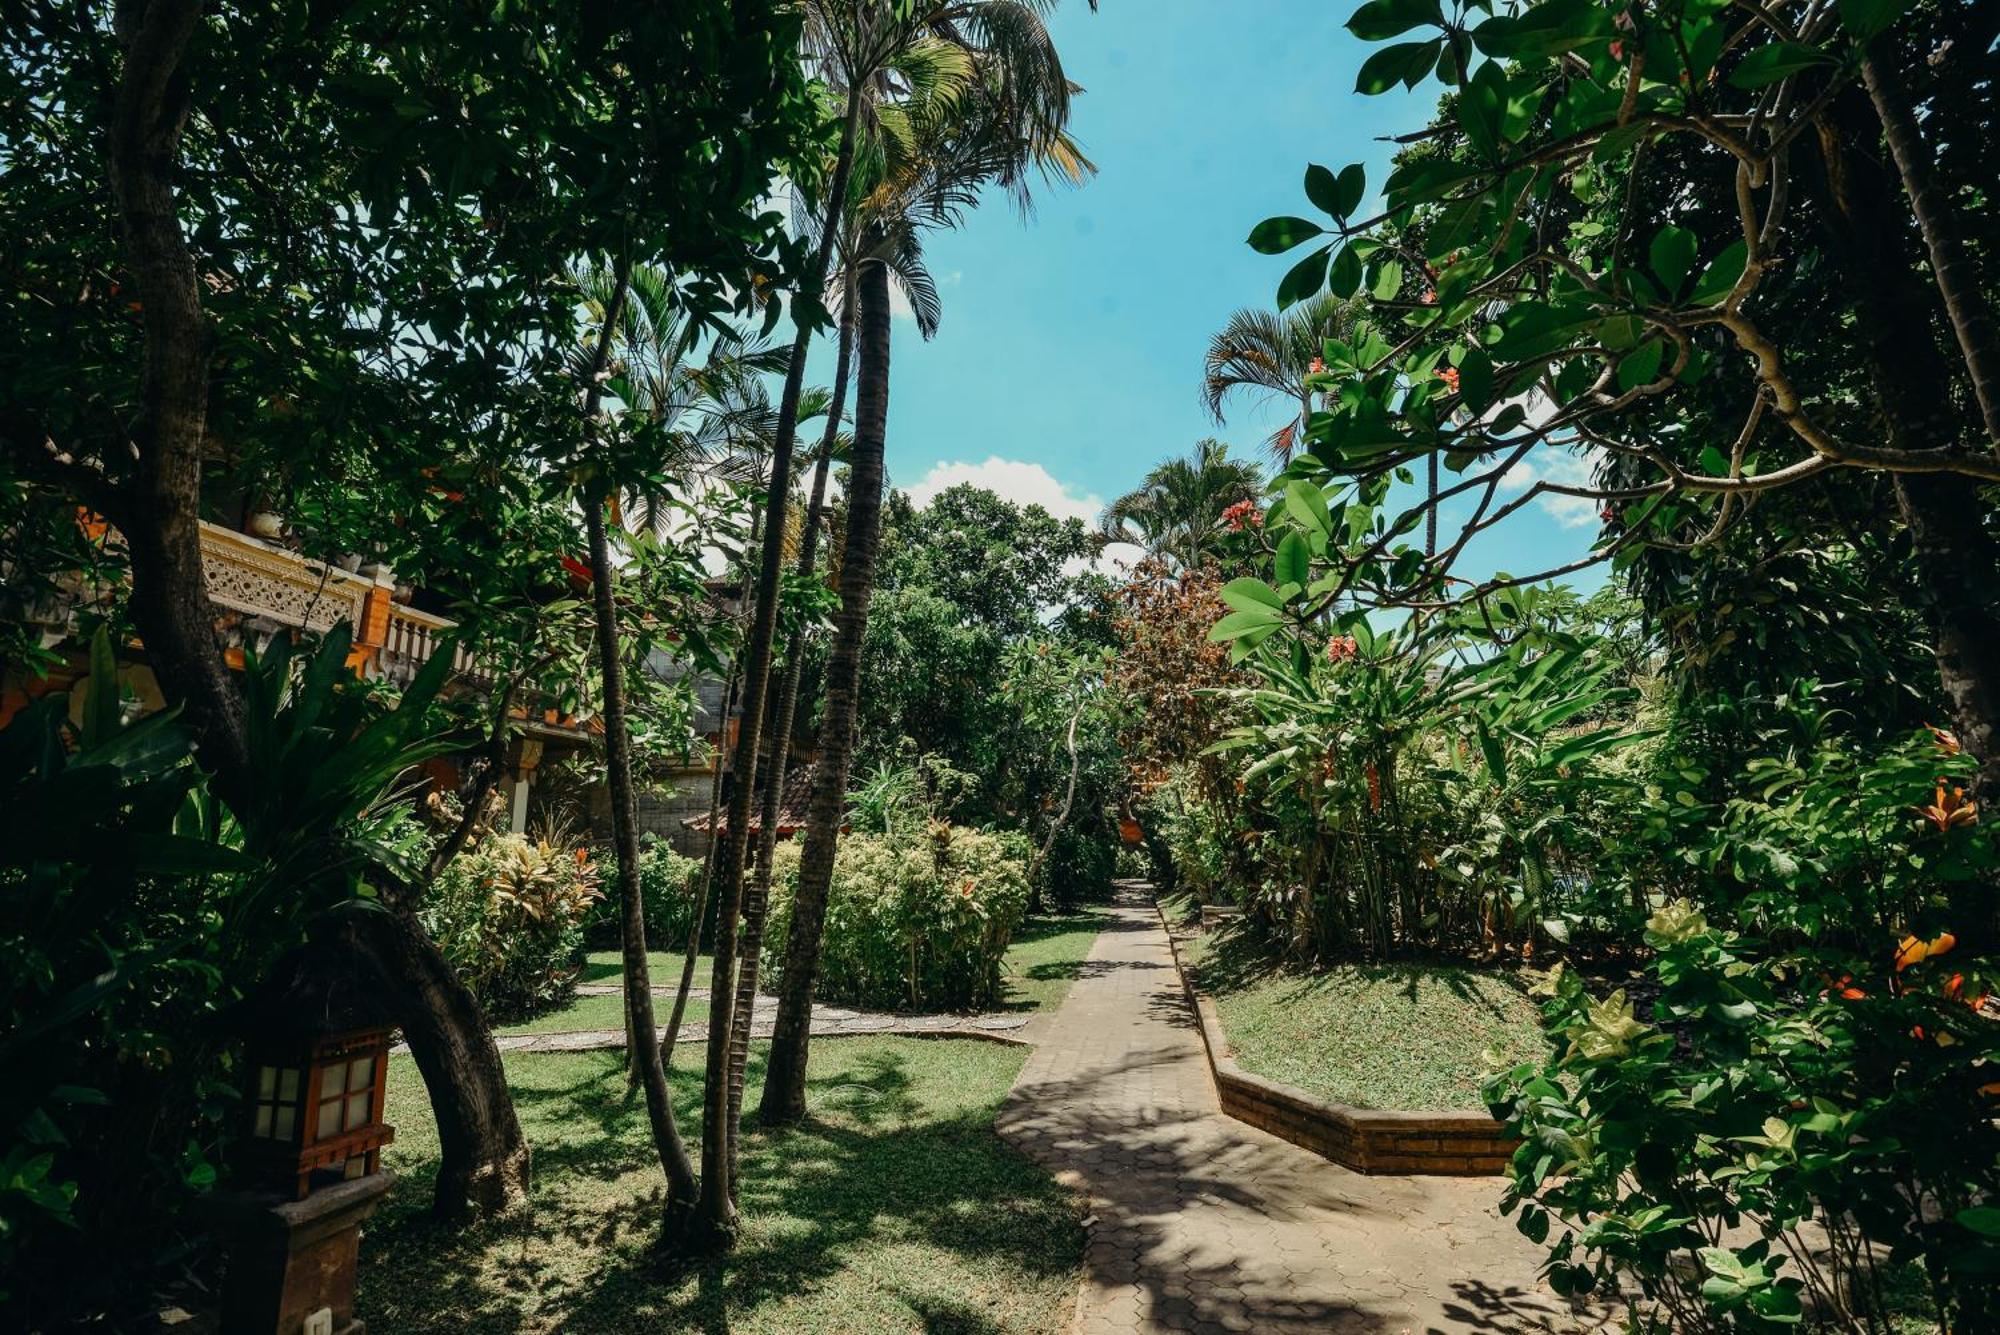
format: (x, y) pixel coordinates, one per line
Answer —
(794, 804)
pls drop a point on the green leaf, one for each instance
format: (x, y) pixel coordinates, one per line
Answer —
(1981, 1219)
(1672, 255)
(1379, 20)
(1304, 279)
(1305, 503)
(1323, 190)
(1779, 60)
(1388, 281)
(1475, 379)
(1344, 278)
(1239, 624)
(1720, 276)
(1642, 365)
(1275, 236)
(1250, 594)
(1348, 189)
(1863, 19)
(1293, 563)
(1406, 63)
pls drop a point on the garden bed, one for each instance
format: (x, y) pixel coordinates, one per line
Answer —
(1377, 1068)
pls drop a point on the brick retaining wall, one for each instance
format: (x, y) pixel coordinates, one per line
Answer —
(1458, 1144)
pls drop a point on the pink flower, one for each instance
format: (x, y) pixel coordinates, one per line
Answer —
(1318, 366)
(1341, 648)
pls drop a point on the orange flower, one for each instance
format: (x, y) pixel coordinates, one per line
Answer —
(1948, 812)
(1449, 374)
(1912, 951)
(1947, 741)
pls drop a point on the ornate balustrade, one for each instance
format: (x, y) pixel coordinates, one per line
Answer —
(273, 589)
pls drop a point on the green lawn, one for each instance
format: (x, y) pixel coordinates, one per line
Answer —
(1408, 1035)
(895, 1208)
(1045, 958)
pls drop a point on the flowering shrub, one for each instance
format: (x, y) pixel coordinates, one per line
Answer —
(1782, 1128)
(509, 914)
(916, 921)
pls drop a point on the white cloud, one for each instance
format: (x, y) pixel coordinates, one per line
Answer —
(1570, 468)
(1016, 480)
(1026, 483)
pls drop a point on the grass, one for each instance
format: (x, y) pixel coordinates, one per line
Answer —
(1045, 957)
(1405, 1035)
(894, 1208)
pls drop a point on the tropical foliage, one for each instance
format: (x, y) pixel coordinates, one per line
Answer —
(918, 920)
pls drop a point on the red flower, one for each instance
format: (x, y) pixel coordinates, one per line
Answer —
(1318, 366)
(1449, 374)
(1241, 513)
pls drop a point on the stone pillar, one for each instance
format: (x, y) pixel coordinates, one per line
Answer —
(291, 1263)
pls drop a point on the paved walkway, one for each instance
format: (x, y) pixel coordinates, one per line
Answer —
(1203, 1223)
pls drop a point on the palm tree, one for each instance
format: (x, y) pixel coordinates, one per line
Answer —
(906, 268)
(1179, 513)
(1270, 355)
(997, 111)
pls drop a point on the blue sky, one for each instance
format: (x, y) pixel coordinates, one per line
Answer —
(1069, 358)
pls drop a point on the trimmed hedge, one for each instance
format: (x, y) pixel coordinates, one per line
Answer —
(914, 921)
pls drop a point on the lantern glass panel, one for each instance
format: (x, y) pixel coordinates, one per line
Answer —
(333, 1080)
(267, 1082)
(357, 1110)
(264, 1119)
(329, 1120)
(288, 1086)
(287, 1120)
(363, 1073)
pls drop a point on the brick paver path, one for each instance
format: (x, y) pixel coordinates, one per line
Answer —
(1203, 1223)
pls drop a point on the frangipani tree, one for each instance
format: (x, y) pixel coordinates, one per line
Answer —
(1585, 245)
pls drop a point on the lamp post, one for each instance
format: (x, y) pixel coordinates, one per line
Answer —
(308, 1171)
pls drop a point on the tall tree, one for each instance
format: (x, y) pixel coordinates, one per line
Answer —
(1006, 119)
(1180, 511)
(1503, 338)
(227, 299)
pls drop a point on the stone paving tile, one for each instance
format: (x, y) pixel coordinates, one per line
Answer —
(1199, 1222)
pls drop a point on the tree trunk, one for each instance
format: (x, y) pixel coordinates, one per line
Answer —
(1958, 563)
(162, 502)
(485, 1160)
(784, 1097)
(642, 1051)
(715, 1214)
(1951, 264)
(783, 714)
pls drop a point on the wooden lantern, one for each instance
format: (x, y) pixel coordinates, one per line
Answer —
(316, 1047)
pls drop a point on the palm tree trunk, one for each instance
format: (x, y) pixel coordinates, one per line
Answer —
(715, 1222)
(673, 1029)
(642, 1051)
(784, 1098)
(782, 716)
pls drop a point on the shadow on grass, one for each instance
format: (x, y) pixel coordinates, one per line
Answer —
(1232, 959)
(894, 1207)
